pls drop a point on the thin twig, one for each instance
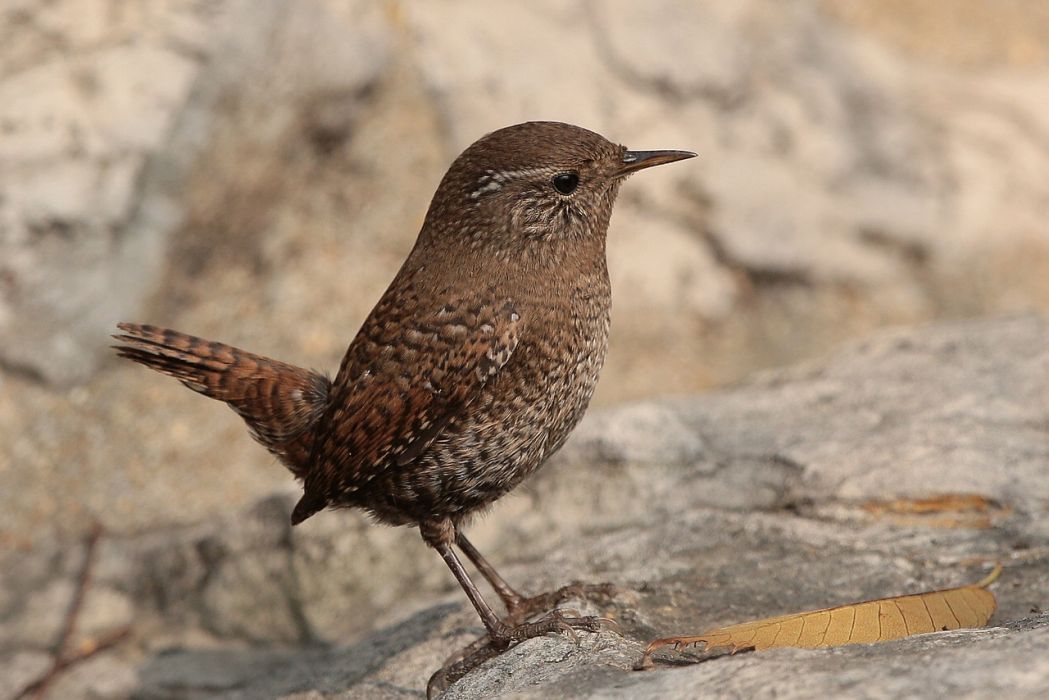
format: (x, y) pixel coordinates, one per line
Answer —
(63, 656)
(83, 581)
(38, 688)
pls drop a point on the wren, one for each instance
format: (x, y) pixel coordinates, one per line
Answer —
(470, 371)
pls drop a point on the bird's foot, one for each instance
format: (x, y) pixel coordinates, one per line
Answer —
(505, 636)
(522, 609)
(560, 621)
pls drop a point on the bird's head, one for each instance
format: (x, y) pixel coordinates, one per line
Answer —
(534, 182)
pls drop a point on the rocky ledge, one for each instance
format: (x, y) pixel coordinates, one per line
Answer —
(756, 501)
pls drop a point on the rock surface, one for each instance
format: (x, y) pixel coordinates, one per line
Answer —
(104, 114)
(706, 511)
(255, 171)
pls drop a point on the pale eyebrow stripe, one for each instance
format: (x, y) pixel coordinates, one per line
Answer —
(492, 180)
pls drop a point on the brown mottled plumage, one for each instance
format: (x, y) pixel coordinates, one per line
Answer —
(473, 367)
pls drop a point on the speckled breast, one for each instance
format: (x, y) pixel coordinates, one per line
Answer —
(521, 417)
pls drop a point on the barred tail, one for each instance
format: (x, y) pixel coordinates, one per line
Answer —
(280, 403)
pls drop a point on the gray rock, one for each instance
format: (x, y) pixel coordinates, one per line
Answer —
(81, 242)
(1002, 660)
(838, 180)
(689, 572)
(19, 670)
(843, 184)
(103, 117)
(831, 162)
(707, 511)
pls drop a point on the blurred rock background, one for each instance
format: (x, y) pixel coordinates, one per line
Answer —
(254, 171)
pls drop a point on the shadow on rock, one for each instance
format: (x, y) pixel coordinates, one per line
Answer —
(273, 673)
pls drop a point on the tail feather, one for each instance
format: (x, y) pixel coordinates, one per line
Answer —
(280, 403)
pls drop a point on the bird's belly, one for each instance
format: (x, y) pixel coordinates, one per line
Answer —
(520, 419)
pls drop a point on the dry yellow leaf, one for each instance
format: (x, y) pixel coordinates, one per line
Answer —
(948, 510)
(856, 623)
(942, 503)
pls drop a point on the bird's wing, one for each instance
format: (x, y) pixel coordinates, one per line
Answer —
(406, 375)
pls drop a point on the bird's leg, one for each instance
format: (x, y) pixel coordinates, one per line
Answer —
(440, 535)
(501, 635)
(511, 598)
(521, 608)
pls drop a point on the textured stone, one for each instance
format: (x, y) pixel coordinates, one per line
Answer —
(947, 665)
(705, 511)
(845, 181)
(255, 172)
(839, 184)
(100, 134)
(79, 125)
(19, 670)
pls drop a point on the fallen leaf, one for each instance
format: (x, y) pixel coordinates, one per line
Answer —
(856, 623)
(945, 502)
(948, 510)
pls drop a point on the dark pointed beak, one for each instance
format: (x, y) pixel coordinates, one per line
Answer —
(639, 160)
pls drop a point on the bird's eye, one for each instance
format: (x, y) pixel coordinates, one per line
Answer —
(565, 183)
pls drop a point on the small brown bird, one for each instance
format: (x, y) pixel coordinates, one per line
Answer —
(471, 370)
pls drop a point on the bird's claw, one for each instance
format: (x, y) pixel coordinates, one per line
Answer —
(524, 608)
(561, 621)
